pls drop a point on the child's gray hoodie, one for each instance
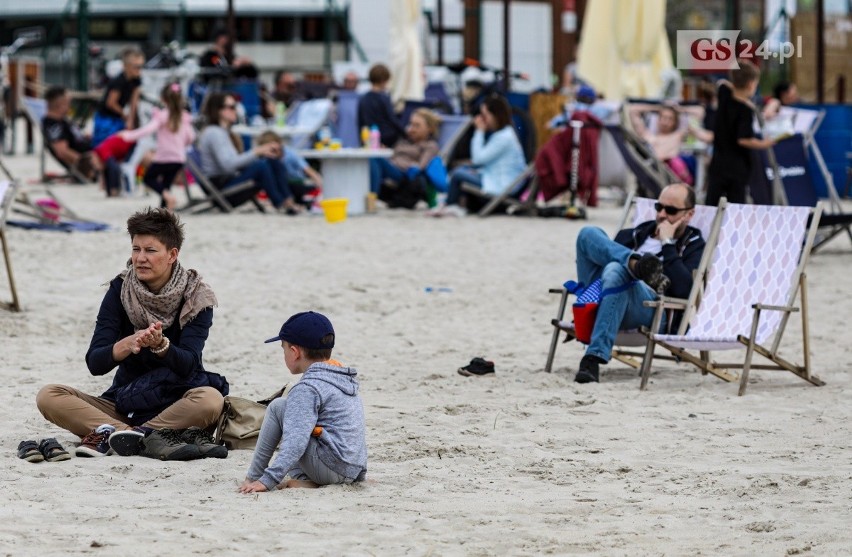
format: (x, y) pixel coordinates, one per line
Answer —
(327, 396)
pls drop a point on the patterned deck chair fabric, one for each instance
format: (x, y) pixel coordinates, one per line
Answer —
(637, 210)
(756, 272)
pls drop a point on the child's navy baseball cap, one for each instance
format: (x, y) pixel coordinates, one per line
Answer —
(307, 329)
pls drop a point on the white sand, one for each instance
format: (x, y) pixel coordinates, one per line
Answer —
(521, 463)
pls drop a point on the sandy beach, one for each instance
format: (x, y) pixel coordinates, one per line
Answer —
(523, 463)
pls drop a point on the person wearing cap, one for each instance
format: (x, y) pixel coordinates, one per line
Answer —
(323, 416)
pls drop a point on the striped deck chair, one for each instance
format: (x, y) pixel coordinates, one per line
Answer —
(642, 210)
(756, 274)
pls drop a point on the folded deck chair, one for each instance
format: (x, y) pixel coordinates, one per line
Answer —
(753, 280)
(7, 197)
(652, 175)
(638, 210)
(310, 115)
(790, 164)
(214, 198)
(346, 119)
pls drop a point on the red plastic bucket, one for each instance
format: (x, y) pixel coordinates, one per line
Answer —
(584, 321)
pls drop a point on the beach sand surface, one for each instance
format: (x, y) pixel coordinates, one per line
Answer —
(522, 463)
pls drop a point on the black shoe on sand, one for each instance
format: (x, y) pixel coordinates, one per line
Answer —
(477, 367)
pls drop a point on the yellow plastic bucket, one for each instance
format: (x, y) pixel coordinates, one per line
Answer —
(334, 209)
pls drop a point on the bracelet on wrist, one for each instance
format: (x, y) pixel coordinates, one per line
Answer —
(161, 349)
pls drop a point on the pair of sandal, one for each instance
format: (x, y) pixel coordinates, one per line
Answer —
(48, 449)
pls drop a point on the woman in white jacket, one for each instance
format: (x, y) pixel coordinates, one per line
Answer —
(496, 153)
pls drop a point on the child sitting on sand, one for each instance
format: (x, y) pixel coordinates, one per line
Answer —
(320, 425)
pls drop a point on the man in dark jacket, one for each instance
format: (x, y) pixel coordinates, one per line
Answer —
(658, 256)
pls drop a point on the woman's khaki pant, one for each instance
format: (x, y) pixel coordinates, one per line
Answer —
(80, 413)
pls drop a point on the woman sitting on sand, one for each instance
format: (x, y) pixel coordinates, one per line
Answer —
(152, 324)
(415, 152)
(226, 166)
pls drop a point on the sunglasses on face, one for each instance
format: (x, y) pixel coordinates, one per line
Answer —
(229, 106)
(669, 209)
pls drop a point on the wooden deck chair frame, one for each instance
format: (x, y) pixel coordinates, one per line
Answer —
(627, 341)
(702, 360)
(7, 197)
(506, 197)
(23, 205)
(214, 198)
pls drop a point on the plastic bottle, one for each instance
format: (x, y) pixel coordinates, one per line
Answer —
(280, 114)
(325, 135)
(365, 137)
(375, 137)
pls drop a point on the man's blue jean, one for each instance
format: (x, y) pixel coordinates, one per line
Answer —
(598, 257)
(270, 175)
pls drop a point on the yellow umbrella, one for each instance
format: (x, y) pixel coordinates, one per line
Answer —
(624, 50)
(406, 58)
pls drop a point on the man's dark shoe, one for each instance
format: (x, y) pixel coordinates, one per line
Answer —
(589, 371)
(649, 268)
(477, 368)
(204, 441)
(167, 444)
(129, 441)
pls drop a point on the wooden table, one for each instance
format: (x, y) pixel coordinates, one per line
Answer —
(346, 174)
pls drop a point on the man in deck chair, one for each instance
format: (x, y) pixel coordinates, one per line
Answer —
(658, 256)
(71, 148)
(64, 140)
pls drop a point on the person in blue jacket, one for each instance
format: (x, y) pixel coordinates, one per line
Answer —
(496, 154)
(152, 326)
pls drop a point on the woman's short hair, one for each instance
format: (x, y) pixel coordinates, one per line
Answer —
(379, 74)
(432, 120)
(499, 107)
(160, 223)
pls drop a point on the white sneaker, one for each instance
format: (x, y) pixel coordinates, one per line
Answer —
(454, 211)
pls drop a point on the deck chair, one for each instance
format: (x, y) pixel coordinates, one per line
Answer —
(651, 174)
(214, 198)
(347, 119)
(638, 210)
(756, 274)
(510, 197)
(790, 166)
(453, 128)
(7, 197)
(311, 115)
(35, 110)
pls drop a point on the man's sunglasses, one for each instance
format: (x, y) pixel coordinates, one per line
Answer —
(669, 209)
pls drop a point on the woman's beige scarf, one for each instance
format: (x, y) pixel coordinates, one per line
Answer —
(144, 307)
